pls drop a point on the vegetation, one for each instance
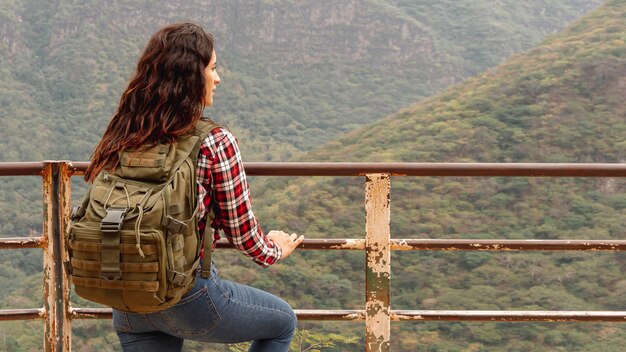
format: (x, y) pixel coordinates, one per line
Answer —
(559, 102)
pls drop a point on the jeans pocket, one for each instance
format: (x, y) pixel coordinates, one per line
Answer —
(120, 321)
(194, 315)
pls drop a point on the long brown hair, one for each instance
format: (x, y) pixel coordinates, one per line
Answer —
(164, 98)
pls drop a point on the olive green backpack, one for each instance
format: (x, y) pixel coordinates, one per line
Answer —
(133, 243)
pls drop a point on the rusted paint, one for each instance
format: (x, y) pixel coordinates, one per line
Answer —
(21, 242)
(336, 315)
(350, 244)
(49, 301)
(303, 314)
(327, 244)
(55, 329)
(423, 169)
(418, 315)
(437, 169)
(22, 168)
(423, 315)
(21, 314)
(507, 245)
(460, 244)
(62, 256)
(378, 262)
(91, 313)
(495, 315)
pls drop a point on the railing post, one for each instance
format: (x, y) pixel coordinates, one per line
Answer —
(54, 305)
(65, 204)
(378, 262)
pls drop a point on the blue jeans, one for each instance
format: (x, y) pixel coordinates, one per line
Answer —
(215, 310)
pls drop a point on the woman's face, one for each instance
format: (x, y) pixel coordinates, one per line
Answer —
(212, 80)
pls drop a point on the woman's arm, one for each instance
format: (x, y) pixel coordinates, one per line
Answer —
(231, 193)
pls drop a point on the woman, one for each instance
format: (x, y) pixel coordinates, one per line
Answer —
(175, 80)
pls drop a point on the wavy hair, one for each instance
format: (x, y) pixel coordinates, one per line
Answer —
(164, 98)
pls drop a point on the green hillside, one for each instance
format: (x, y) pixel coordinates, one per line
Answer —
(559, 102)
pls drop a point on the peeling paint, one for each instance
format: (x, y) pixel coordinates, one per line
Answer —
(354, 316)
(48, 260)
(378, 264)
(56, 204)
(506, 245)
(351, 244)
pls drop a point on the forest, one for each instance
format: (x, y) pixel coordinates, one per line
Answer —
(463, 84)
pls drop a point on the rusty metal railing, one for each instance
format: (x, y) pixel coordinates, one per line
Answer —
(57, 312)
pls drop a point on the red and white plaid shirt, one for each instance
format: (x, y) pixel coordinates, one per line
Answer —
(222, 179)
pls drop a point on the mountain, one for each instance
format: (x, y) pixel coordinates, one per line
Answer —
(297, 73)
(561, 101)
(294, 73)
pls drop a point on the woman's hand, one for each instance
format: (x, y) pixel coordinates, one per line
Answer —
(286, 242)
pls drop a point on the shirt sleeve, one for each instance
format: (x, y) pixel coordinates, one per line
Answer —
(231, 194)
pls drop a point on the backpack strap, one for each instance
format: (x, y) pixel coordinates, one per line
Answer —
(203, 127)
(208, 241)
(208, 248)
(79, 211)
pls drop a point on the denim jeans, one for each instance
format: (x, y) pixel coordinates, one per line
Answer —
(215, 310)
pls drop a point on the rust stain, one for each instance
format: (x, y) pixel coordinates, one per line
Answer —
(48, 230)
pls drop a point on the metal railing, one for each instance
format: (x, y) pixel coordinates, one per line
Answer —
(57, 312)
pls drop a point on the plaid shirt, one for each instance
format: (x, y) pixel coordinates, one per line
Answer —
(221, 178)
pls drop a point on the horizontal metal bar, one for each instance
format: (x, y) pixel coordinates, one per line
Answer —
(495, 315)
(438, 169)
(424, 315)
(337, 315)
(91, 313)
(304, 314)
(463, 244)
(424, 169)
(21, 168)
(22, 314)
(315, 244)
(503, 245)
(21, 242)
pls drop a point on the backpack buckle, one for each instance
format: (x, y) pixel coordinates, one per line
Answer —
(77, 213)
(114, 219)
(173, 225)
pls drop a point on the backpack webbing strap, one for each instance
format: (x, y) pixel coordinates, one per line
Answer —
(203, 127)
(147, 249)
(208, 248)
(127, 267)
(183, 278)
(79, 211)
(149, 286)
(111, 226)
(208, 241)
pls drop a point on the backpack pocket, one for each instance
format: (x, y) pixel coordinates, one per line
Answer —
(142, 282)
